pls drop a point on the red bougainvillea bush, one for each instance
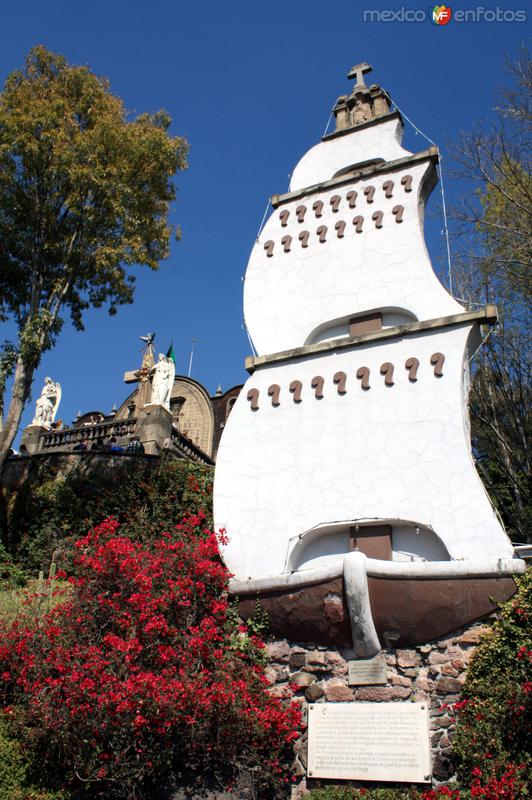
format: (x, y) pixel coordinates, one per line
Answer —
(493, 741)
(510, 786)
(140, 679)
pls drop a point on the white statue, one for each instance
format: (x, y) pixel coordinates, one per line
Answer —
(163, 380)
(47, 404)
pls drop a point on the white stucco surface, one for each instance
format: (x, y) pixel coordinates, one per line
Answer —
(292, 478)
(396, 452)
(325, 543)
(327, 158)
(290, 294)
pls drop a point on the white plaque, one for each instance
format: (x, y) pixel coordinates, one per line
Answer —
(369, 741)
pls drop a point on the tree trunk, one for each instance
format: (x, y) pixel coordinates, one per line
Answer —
(19, 395)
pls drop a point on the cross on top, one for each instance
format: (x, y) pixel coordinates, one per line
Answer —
(358, 72)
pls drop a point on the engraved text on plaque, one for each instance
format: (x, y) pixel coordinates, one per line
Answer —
(367, 671)
(369, 741)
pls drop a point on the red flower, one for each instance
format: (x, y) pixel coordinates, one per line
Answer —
(139, 660)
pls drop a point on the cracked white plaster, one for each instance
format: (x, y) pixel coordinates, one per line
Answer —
(398, 454)
(288, 295)
(389, 453)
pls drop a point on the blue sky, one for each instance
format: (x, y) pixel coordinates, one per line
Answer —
(251, 87)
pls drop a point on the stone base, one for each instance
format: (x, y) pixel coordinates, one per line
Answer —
(151, 408)
(154, 426)
(32, 437)
(433, 672)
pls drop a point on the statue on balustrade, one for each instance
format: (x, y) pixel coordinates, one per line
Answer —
(163, 380)
(47, 404)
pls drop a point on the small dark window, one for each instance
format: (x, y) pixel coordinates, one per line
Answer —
(176, 404)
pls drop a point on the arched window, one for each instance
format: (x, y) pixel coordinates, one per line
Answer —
(176, 406)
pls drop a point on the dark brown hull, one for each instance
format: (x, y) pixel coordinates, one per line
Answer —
(409, 612)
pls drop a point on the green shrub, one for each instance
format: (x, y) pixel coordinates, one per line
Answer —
(49, 513)
(13, 767)
(36, 599)
(493, 735)
(15, 770)
(140, 677)
(11, 576)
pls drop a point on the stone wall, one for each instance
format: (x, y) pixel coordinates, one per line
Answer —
(222, 406)
(20, 471)
(432, 672)
(196, 419)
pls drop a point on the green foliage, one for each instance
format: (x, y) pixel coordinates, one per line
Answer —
(36, 598)
(11, 576)
(495, 223)
(83, 190)
(84, 194)
(49, 513)
(15, 771)
(501, 423)
(8, 359)
(505, 225)
(133, 680)
(13, 768)
(247, 639)
(507, 484)
(496, 705)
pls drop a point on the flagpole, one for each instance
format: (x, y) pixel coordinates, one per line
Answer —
(191, 357)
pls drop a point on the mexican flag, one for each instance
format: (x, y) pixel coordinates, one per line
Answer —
(170, 353)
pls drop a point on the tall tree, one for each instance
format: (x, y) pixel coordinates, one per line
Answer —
(495, 224)
(84, 194)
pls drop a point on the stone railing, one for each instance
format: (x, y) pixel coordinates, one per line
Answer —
(186, 448)
(66, 438)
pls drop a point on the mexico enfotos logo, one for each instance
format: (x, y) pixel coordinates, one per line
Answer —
(441, 14)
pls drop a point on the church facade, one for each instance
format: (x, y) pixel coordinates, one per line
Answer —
(189, 425)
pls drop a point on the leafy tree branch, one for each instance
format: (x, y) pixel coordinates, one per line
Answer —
(84, 196)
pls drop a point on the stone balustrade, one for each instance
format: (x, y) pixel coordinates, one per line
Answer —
(154, 429)
(66, 438)
(185, 448)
